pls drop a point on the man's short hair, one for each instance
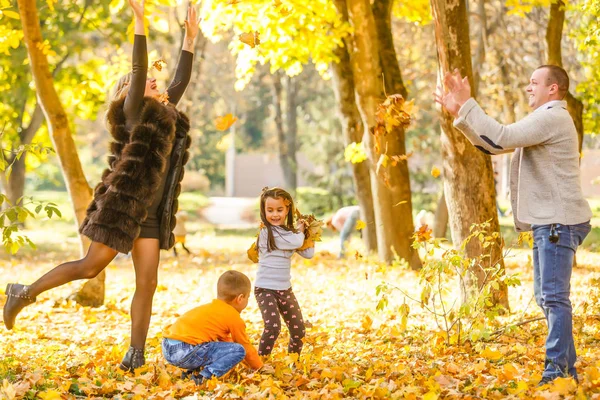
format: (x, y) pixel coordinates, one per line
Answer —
(557, 75)
(231, 284)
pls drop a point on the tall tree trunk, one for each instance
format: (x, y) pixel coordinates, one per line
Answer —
(291, 141)
(554, 32)
(468, 203)
(399, 177)
(58, 125)
(366, 69)
(352, 129)
(285, 159)
(479, 56)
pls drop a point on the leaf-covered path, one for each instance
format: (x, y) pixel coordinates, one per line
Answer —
(59, 350)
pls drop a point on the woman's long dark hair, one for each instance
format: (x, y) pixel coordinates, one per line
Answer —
(276, 193)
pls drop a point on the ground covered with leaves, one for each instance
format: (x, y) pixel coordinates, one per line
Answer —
(59, 350)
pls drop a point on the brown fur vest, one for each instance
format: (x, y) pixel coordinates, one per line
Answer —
(136, 164)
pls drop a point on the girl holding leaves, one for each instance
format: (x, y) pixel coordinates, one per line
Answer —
(277, 242)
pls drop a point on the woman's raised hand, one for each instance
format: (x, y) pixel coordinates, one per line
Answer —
(138, 8)
(191, 23)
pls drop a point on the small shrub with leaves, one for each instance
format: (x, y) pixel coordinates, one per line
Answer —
(460, 317)
(13, 216)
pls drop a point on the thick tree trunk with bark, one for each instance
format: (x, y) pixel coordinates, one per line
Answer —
(399, 177)
(352, 129)
(58, 125)
(366, 68)
(468, 203)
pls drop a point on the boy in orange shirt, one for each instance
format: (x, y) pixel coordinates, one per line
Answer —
(211, 339)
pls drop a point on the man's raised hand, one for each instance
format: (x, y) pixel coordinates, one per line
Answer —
(457, 92)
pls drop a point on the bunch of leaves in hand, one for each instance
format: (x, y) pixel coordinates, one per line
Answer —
(252, 251)
(313, 229)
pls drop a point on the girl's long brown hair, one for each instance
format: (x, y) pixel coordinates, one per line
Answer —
(276, 193)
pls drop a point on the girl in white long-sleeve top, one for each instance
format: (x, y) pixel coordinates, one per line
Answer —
(277, 242)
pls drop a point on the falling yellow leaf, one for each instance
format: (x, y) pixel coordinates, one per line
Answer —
(400, 157)
(360, 224)
(223, 123)
(435, 172)
(158, 64)
(250, 38)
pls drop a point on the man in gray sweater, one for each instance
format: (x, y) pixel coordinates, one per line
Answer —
(546, 193)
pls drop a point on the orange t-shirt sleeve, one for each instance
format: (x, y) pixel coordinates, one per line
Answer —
(238, 334)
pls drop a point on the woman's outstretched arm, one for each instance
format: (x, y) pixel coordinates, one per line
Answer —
(184, 67)
(139, 72)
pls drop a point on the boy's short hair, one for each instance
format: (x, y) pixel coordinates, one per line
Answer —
(231, 284)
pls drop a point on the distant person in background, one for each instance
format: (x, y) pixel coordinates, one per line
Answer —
(424, 218)
(180, 232)
(344, 221)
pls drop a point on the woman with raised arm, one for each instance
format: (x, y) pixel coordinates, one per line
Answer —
(134, 205)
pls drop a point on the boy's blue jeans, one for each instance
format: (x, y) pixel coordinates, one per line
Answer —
(217, 358)
(552, 266)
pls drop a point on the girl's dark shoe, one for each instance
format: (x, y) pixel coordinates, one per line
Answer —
(17, 298)
(133, 359)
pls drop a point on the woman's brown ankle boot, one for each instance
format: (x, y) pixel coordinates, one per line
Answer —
(134, 358)
(17, 298)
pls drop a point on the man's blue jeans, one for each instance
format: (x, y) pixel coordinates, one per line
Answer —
(552, 266)
(217, 358)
